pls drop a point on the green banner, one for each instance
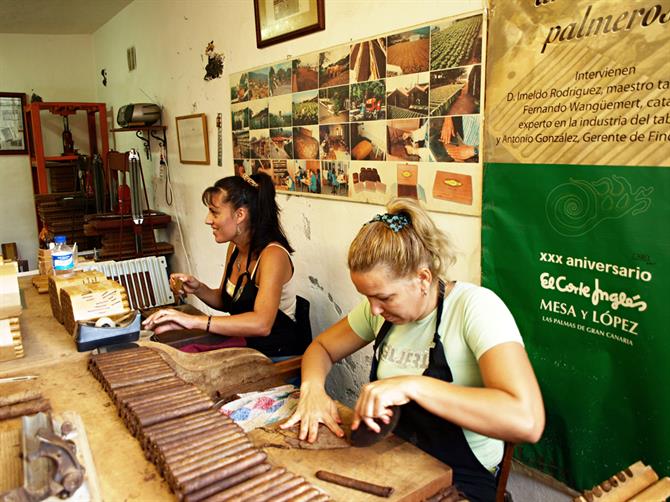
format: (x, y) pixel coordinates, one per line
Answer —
(580, 256)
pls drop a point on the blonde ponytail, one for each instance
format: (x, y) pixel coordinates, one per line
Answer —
(402, 248)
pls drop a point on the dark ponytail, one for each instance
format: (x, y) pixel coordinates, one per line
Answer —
(259, 201)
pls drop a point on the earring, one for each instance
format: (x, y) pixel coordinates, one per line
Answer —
(424, 292)
(237, 230)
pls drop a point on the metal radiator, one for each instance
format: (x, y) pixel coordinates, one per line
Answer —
(145, 279)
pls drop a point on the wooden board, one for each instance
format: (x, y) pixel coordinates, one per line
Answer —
(10, 298)
(413, 474)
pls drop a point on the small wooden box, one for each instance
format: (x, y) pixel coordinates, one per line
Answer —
(453, 187)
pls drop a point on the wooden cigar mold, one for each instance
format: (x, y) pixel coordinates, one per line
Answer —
(201, 453)
(637, 483)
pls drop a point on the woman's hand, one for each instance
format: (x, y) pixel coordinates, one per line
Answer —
(315, 407)
(189, 284)
(168, 320)
(377, 398)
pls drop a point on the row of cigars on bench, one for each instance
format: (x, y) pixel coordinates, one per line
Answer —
(202, 454)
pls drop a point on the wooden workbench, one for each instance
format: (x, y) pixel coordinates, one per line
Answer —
(125, 474)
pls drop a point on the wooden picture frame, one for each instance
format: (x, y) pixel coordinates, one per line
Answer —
(192, 139)
(281, 20)
(13, 138)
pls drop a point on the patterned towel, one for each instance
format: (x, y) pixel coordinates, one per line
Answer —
(258, 409)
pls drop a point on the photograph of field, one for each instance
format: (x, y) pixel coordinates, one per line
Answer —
(334, 142)
(334, 67)
(306, 108)
(306, 142)
(258, 114)
(239, 87)
(368, 60)
(241, 145)
(456, 43)
(239, 116)
(408, 52)
(305, 72)
(281, 146)
(334, 105)
(259, 144)
(279, 79)
(368, 101)
(407, 139)
(455, 139)
(407, 96)
(455, 91)
(334, 177)
(281, 111)
(258, 83)
(368, 141)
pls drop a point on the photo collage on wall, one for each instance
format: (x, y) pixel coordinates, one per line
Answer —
(395, 115)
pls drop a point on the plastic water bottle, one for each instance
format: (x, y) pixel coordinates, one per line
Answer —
(62, 256)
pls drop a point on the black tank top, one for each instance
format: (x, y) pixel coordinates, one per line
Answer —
(283, 339)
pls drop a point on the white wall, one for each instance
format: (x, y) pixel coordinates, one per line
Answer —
(58, 68)
(170, 43)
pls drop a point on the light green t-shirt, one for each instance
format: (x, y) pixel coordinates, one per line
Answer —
(474, 319)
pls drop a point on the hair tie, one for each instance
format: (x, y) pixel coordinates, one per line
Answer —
(249, 180)
(395, 222)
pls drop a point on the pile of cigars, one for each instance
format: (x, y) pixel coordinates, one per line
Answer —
(202, 454)
(637, 483)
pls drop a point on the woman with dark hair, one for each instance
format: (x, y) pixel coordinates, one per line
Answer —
(447, 355)
(256, 289)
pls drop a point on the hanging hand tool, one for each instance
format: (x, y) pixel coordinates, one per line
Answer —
(135, 197)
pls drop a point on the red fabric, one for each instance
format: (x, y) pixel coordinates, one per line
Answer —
(229, 341)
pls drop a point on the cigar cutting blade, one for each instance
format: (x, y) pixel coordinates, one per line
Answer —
(364, 436)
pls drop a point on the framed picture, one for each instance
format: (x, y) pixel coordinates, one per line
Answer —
(12, 128)
(281, 20)
(192, 139)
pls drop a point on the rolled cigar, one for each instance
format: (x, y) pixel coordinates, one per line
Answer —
(226, 483)
(235, 465)
(132, 370)
(128, 364)
(197, 462)
(319, 497)
(187, 436)
(163, 437)
(177, 422)
(196, 420)
(284, 482)
(658, 491)
(157, 397)
(177, 401)
(308, 495)
(140, 379)
(24, 408)
(204, 469)
(129, 377)
(293, 492)
(279, 488)
(148, 388)
(244, 489)
(363, 486)
(189, 431)
(118, 354)
(19, 397)
(174, 412)
(178, 451)
(125, 358)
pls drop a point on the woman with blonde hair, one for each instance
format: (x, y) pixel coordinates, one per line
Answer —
(447, 352)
